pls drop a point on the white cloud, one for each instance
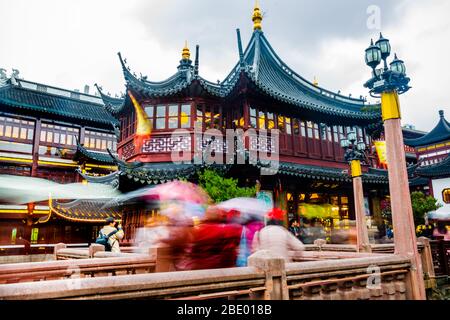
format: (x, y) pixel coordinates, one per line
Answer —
(73, 43)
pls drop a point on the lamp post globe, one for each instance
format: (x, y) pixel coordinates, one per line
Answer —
(373, 55)
(351, 135)
(398, 66)
(361, 146)
(345, 143)
(384, 46)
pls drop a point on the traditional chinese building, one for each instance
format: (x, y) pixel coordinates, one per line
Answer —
(48, 132)
(433, 153)
(261, 93)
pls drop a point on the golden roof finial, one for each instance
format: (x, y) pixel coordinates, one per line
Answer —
(257, 17)
(315, 82)
(186, 53)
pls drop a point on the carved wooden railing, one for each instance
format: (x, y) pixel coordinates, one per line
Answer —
(377, 277)
(431, 261)
(440, 250)
(74, 269)
(267, 277)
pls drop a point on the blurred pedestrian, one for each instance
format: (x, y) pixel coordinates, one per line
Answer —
(275, 238)
(112, 232)
(295, 228)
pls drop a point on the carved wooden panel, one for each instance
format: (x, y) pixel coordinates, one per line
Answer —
(167, 144)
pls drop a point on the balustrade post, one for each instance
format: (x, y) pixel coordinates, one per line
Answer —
(94, 248)
(345, 290)
(329, 292)
(361, 290)
(427, 263)
(388, 286)
(312, 293)
(400, 287)
(164, 261)
(274, 268)
(376, 293)
(58, 247)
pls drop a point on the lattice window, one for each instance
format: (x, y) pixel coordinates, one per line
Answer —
(16, 129)
(53, 134)
(100, 141)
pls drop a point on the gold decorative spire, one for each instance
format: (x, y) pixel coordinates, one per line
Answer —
(186, 53)
(315, 82)
(257, 17)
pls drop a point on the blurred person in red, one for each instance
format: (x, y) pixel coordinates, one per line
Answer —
(214, 242)
(275, 238)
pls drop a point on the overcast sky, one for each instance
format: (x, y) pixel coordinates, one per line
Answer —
(73, 43)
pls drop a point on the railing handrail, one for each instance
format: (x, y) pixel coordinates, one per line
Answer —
(135, 285)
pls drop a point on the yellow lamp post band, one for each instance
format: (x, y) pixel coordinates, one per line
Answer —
(390, 105)
(356, 168)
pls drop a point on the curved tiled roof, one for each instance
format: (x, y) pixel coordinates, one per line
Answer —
(326, 174)
(266, 71)
(440, 133)
(112, 105)
(438, 170)
(271, 75)
(91, 211)
(55, 105)
(93, 156)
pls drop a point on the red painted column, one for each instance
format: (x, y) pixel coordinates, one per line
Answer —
(35, 152)
(402, 215)
(362, 236)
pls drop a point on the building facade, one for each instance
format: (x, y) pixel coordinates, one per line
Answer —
(433, 153)
(46, 132)
(260, 93)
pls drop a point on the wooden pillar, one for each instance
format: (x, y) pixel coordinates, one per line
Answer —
(275, 274)
(246, 114)
(402, 215)
(362, 235)
(81, 137)
(27, 235)
(35, 152)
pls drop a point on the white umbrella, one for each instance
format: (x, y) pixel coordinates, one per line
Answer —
(247, 206)
(441, 215)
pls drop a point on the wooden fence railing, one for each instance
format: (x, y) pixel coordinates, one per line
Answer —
(267, 277)
(440, 251)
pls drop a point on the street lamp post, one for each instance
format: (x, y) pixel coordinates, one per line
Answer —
(388, 83)
(354, 153)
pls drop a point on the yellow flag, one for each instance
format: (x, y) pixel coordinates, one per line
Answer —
(144, 125)
(381, 151)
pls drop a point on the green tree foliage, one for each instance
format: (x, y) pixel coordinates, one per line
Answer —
(421, 205)
(220, 188)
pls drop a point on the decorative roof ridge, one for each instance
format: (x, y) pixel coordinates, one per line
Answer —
(94, 155)
(124, 164)
(443, 162)
(111, 104)
(440, 169)
(20, 80)
(107, 97)
(98, 179)
(439, 133)
(37, 92)
(71, 204)
(143, 81)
